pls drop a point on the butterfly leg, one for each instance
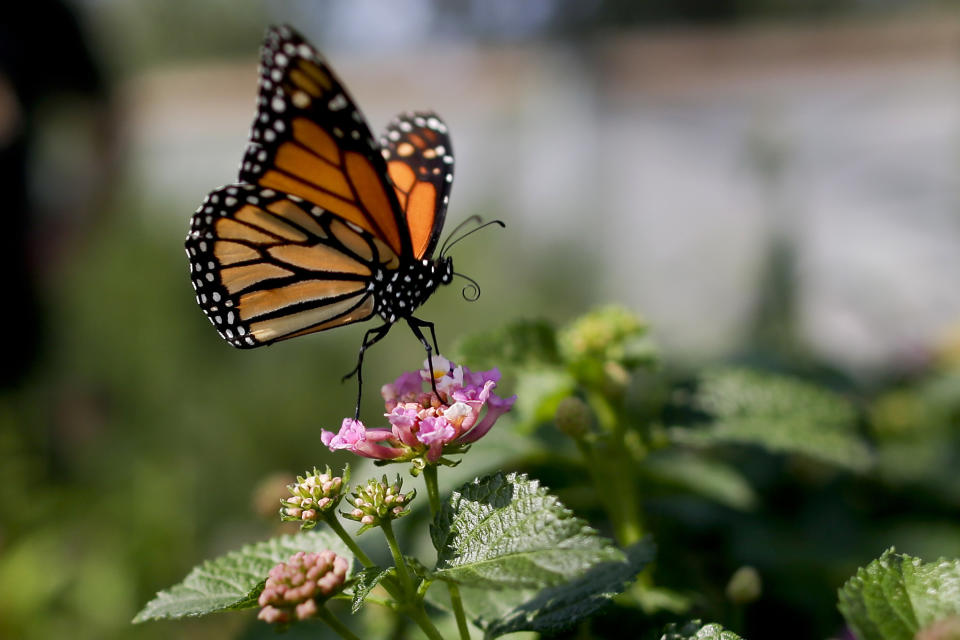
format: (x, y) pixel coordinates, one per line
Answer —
(370, 338)
(415, 324)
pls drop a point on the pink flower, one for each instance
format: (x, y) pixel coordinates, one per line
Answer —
(425, 423)
(354, 437)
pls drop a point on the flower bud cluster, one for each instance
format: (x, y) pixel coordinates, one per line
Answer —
(312, 495)
(378, 501)
(294, 587)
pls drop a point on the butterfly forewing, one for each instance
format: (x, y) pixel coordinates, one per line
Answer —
(268, 266)
(309, 139)
(419, 159)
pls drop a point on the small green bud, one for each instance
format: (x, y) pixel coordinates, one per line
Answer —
(573, 417)
(312, 495)
(378, 501)
(745, 585)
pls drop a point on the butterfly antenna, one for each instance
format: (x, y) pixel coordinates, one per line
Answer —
(449, 244)
(471, 292)
(474, 219)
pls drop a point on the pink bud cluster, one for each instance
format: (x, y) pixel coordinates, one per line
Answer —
(427, 423)
(293, 587)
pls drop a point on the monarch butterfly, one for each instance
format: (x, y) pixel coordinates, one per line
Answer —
(325, 226)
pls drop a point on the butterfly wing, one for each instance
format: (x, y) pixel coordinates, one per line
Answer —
(268, 265)
(308, 139)
(419, 159)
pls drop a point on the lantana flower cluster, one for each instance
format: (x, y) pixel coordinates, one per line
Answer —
(424, 423)
(293, 587)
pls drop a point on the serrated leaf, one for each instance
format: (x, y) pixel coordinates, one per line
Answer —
(521, 343)
(696, 630)
(234, 580)
(896, 595)
(366, 580)
(779, 413)
(712, 479)
(556, 608)
(505, 531)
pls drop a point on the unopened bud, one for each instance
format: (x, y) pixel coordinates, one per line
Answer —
(745, 585)
(573, 417)
(311, 496)
(377, 501)
(294, 588)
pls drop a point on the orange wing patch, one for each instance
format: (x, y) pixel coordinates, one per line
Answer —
(308, 321)
(419, 202)
(258, 303)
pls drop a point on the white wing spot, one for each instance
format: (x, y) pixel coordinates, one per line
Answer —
(338, 102)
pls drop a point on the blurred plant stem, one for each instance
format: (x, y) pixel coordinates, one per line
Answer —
(433, 495)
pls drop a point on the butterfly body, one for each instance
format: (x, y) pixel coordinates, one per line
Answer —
(326, 226)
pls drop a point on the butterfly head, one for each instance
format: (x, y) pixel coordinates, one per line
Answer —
(444, 267)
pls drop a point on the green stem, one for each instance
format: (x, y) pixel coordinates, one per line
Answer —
(457, 604)
(388, 583)
(433, 493)
(426, 625)
(413, 605)
(611, 469)
(341, 629)
(433, 489)
(331, 519)
(387, 527)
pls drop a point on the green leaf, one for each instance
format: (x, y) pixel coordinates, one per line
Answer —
(895, 596)
(366, 580)
(556, 608)
(712, 479)
(505, 531)
(523, 343)
(779, 413)
(539, 391)
(696, 630)
(234, 580)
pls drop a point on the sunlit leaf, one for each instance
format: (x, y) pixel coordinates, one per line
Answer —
(779, 413)
(505, 531)
(896, 595)
(234, 580)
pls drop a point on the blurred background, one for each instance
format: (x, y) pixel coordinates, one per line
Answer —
(768, 177)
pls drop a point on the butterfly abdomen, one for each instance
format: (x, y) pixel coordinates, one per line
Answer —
(399, 291)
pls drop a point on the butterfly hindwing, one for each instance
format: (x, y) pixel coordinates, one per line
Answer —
(267, 265)
(309, 139)
(419, 159)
